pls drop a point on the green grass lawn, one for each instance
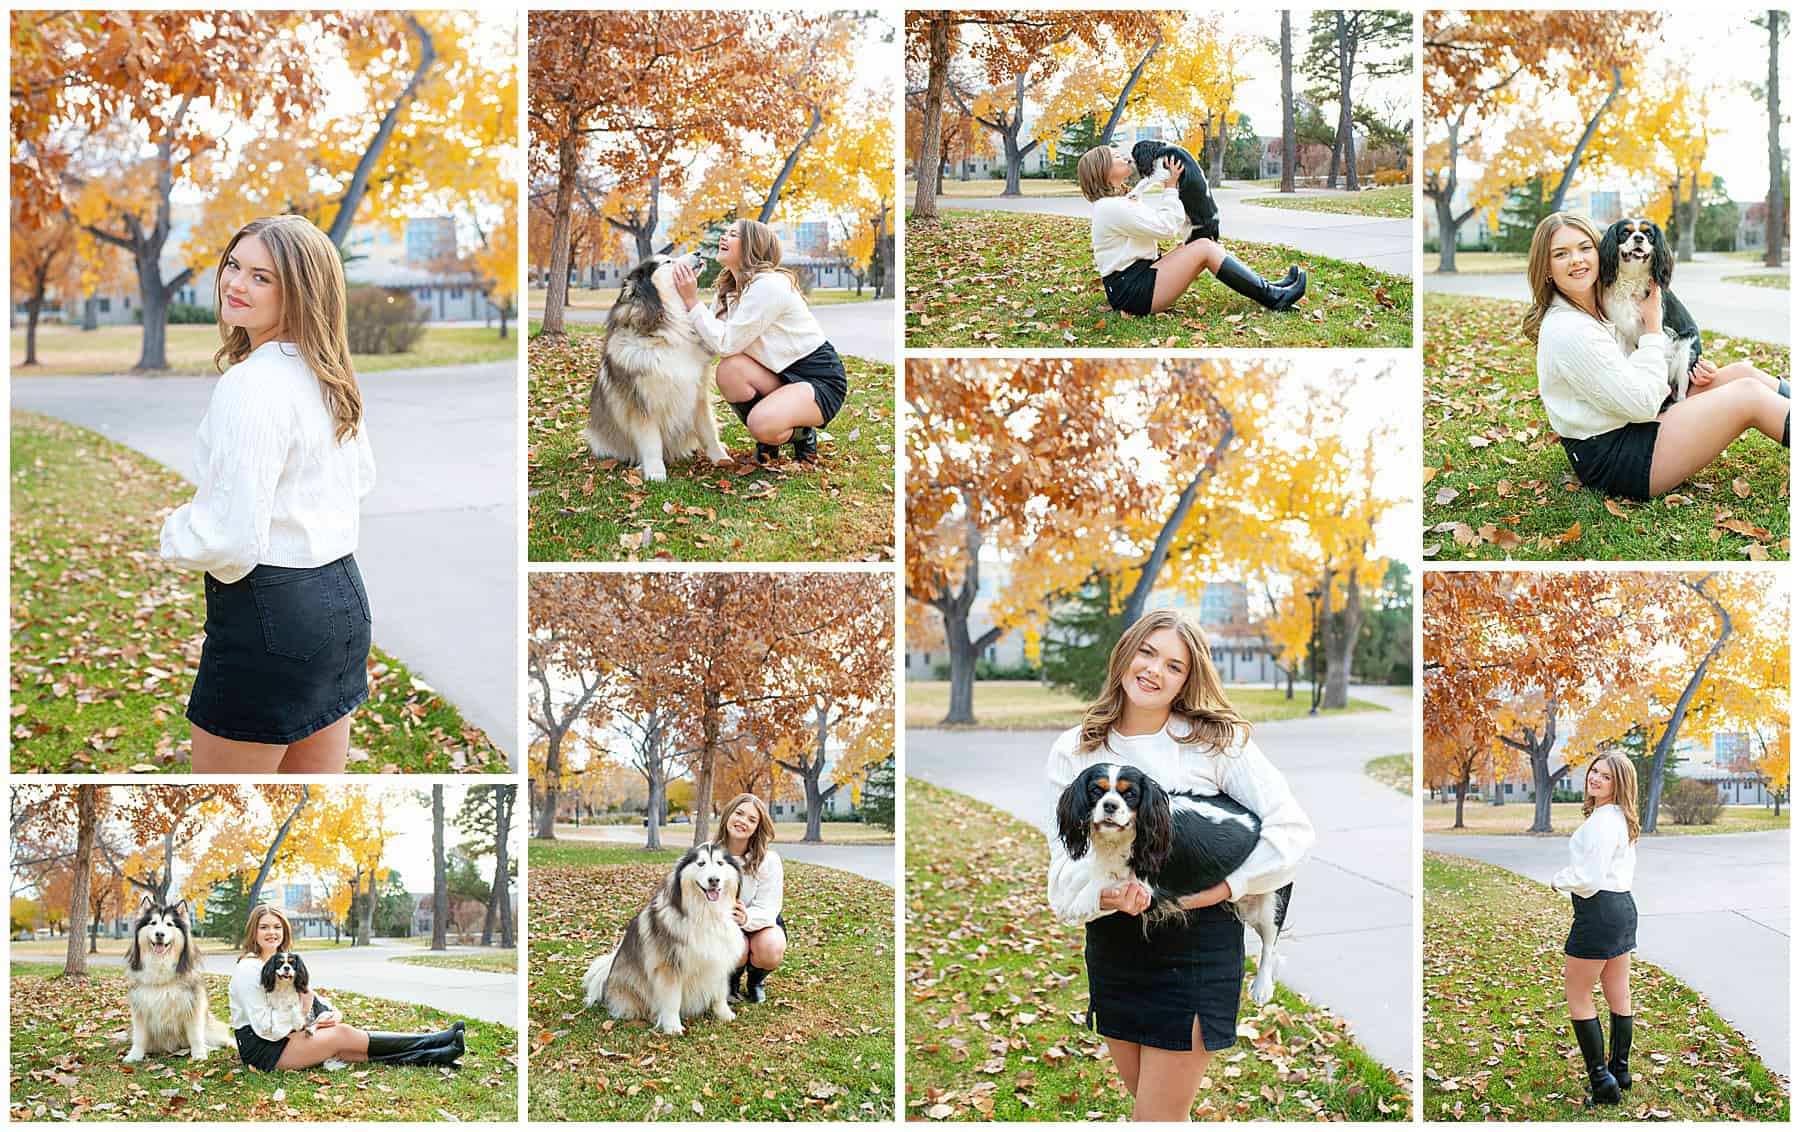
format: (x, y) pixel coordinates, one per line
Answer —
(583, 509)
(1498, 483)
(995, 186)
(1478, 263)
(69, 350)
(1515, 817)
(821, 1047)
(502, 962)
(1391, 770)
(833, 832)
(1026, 705)
(1497, 1040)
(69, 1036)
(106, 637)
(1775, 281)
(57, 948)
(1394, 201)
(1020, 279)
(996, 993)
(603, 298)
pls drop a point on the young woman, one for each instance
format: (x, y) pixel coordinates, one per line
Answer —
(1166, 1001)
(1608, 407)
(263, 1048)
(1127, 229)
(282, 462)
(745, 829)
(776, 370)
(1602, 858)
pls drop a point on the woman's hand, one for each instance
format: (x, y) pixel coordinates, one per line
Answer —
(1206, 898)
(1703, 373)
(1130, 897)
(740, 913)
(327, 1020)
(685, 284)
(1650, 310)
(1172, 168)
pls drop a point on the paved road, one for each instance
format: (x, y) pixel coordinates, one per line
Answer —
(873, 861)
(862, 330)
(440, 544)
(1733, 308)
(372, 970)
(1379, 242)
(1713, 910)
(1348, 943)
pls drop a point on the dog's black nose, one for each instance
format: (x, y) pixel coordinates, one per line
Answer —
(1109, 805)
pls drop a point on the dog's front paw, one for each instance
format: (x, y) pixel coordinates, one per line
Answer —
(198, 1053)
(135, 1055)
(656, 473)
(1263, 988)
(723, 1012)
(671, 1026)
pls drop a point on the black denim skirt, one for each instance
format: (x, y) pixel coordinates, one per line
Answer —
(1604, 927)
(1150, 989)
(824, 371)
(286, 653)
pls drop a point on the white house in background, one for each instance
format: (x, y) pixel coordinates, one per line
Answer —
(804, 246)
(841, 804)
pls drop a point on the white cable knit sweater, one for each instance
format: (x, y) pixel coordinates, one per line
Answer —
(770, 321)
(1130, 227)
(1601, 855)
(1587, 385)
(274, 485)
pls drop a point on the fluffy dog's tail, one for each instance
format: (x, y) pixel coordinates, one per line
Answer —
(595, 979)
(219, 1034)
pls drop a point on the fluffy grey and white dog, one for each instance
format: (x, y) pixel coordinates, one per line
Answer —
(678, 953)
(168, 995)
(651, 399)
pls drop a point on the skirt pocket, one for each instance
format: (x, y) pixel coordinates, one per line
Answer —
(297, 609)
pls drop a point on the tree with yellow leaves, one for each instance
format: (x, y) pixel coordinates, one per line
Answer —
(1192, 85)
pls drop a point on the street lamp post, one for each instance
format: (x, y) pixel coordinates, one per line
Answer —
(1312, 648)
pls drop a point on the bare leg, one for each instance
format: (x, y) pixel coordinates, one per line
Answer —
(1736, 371)
(1696, 430)
(767, 947)
(1127, 1057)
(1615, 980)
(1579, 976)
(741, 377)
(775, 418)
(325, 751)
(1176, 270)
(215, 755)
(1168, 1080)
(304, 1050)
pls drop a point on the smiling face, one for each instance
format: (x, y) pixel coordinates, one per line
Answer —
(1600, 782)
(250, 290)
(731, 246)
(742, 822)
(1155, 673)
(271, 934)
(1574, 261)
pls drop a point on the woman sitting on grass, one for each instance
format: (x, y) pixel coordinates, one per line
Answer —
(1607, 407)
(1127, 230)
(746, 829)
(265, 1046)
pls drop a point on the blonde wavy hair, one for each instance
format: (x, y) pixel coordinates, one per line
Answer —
(249, 950)
(759, 251)
(311, 277)
(759, 840)
(1625, 792)
(1091, 174)
(1201, 703)
(1537, 266)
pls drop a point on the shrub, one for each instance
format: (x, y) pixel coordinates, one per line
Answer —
(383, 320)
(1392, 177)
(1692, 802)
(988, 670)
(190, 313)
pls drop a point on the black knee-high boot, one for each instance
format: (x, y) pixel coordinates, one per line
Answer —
(1234, 273)
(753, 985)
(441, 1048)
(736, 994)
(1618, 1061)
(1603, 1087)
(1785, 422)
(764, 452)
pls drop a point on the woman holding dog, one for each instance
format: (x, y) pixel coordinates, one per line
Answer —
(1607, 407)
(1129, 226)
(776, 370)
(746, 830)
(1165, 996)
(1602, 859)
(263, 1048)
(282, 462)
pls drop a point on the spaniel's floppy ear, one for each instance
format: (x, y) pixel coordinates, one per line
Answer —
(268, 971)
(1662, 261)
(1609, 256)
(1155, 828)
(302, 981)
(1072, 817)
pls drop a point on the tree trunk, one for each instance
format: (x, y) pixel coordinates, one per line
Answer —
(546, 830)
(32, 306)
(1343, 648)
(365, 165)
(268, 861)
(87, 807)
(1672, 730)
(1346, 121)
(1774, 209)
(703, 773)
(1581, 144)
(1462, 792)
(931, 157)
(1131, 81)
(773, 198)
(556, 291)
(1288, 141)
(440, 884)
(1686, 251)
(1445, 199)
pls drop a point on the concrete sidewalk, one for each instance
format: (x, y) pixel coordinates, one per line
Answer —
(1348, 942)
(1713, 910)
(1375, 241)
(440, 544)
(875, 862)
(1719, 307)
(372, 970)
(860, 330)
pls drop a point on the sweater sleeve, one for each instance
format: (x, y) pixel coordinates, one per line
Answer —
(1159, 218)
(1590, 361)
(757, 308)
(251, 1003)
(225, 530)
(1287, 833)
(766, 904)
(1590, 850)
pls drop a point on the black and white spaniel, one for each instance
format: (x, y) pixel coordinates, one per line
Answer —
(1196, 195)
(1633, 255)
(284, 980)
(1177, 844)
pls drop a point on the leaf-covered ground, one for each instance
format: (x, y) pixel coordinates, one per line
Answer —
(996, 993)
(1515, 817)
(1015, 279)
(582, 509)
(1391, 770)
(1394, 201)
(69, 351)
(1026, 705)
(1498, 483)
(821, 1047)
(106, 636)
(69, 1036)
(1497, 1040)
(504, 962)
(1777, 281)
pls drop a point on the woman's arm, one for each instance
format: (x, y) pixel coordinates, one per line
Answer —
(1078, 894)
(1588, 357)
(1287, 833)
(225, 530)
(1160, 218)
(1590, 850)
(249, 999)
(762, 909)
(757, 308)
